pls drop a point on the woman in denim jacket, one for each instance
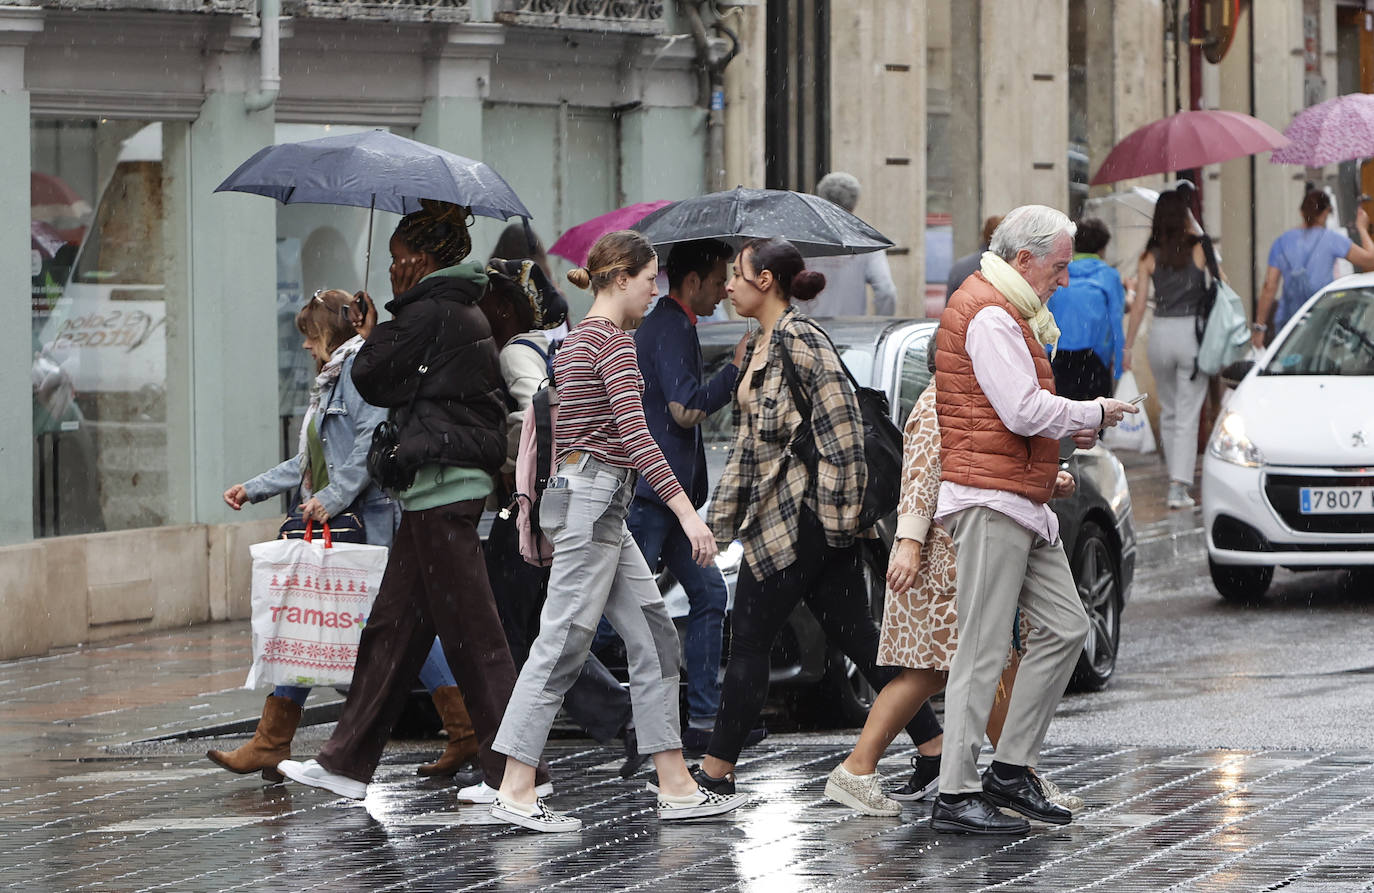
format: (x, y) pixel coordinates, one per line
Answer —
(330, 468)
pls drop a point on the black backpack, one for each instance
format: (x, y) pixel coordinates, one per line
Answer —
(882, 441)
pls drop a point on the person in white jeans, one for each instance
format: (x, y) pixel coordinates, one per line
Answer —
(1173, 265)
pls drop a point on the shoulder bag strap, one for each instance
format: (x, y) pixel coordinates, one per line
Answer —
(543, 438)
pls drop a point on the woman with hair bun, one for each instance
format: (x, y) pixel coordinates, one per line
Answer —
(601, 444)
(799, 531)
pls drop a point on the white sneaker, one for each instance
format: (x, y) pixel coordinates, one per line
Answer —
(699, 805)
(861, 792)
(1052, 793)
(1178, 496)
(315, 775)
(484, 793)
(536, 818)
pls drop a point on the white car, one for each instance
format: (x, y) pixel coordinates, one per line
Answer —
(1288, 477)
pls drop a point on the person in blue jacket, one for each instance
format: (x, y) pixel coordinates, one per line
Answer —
(676, 401)
(1088, 311)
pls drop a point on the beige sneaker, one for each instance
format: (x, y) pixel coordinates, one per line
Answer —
(1071, 802)
(861, 792)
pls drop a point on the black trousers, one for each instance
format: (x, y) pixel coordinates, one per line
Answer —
(1081, 375)
(597, 701)
(831, 583)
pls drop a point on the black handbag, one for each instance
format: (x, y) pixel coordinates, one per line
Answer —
(882, 441)
(345, 527)
(384, 463)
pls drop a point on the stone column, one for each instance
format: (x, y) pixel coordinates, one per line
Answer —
(878, 127)
(16, 347)
(227, 326)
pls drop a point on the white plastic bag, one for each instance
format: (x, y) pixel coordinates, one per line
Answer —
(310, 602)
(1134, 433)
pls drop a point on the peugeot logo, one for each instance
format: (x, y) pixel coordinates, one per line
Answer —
(1357, 439)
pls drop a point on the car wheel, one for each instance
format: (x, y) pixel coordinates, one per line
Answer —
(1240, 583)
(1095, 573)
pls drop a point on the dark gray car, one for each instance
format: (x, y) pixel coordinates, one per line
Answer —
(1095, 523)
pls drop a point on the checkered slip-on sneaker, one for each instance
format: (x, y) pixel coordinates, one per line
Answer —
(700, 805)
(536, 818)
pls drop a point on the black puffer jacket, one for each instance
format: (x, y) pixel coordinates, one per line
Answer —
(460, 410)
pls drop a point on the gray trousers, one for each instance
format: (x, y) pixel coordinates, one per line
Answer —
(597, 568)
(1000, 566)
(1173, 348)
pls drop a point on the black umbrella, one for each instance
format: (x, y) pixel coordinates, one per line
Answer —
(817, 227)
(374, 169)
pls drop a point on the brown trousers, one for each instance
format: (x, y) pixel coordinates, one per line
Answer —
(435, 582)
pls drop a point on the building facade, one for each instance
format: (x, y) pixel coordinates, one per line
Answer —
(160, 363)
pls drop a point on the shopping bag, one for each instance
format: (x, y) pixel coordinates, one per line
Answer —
(1226, 335)
(1134, 432)
(310, 598)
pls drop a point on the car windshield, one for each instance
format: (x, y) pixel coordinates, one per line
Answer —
(1334, 336)
(718, 431)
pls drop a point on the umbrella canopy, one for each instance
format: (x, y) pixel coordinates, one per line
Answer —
(374, 169)
(1187, 140)
(817, 227)
(578, 240)
(1340, 129)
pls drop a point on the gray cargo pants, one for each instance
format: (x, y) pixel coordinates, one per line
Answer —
(597, 568)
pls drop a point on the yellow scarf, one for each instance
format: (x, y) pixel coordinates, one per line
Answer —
(1018, 292)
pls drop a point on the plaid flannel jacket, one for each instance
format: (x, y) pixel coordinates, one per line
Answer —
(763, 488)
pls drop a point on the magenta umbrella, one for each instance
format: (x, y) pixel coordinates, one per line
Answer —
(578, 240)
(1187, 140)
(1340, 129)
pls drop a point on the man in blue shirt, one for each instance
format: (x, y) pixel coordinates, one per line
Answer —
(1088, 311)
(676, 402)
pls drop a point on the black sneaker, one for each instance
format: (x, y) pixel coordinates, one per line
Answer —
(634, 760)
(724, 785)
(924, 781)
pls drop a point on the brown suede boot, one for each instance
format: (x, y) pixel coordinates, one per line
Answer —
(462, 738)
(270, 744)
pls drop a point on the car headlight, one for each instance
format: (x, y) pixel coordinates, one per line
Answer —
(729, 560)
(1229, 443)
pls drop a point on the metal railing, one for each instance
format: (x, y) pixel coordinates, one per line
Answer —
(625, 16)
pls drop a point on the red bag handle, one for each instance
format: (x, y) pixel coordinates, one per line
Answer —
(309, 533)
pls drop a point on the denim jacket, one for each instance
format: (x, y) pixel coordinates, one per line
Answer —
(345, 425)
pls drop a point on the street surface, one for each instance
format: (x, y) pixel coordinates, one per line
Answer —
(1233, 751)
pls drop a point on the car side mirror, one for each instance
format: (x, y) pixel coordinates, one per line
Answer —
(1232, 374)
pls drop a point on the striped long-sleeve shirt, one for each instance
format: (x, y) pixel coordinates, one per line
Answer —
(600, 404)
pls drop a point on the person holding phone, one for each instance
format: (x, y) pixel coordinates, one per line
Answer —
(330, 470)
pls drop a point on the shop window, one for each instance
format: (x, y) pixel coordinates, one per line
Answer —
(99, 316)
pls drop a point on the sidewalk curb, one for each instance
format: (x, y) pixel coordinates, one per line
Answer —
(310, 716)
(1165, 547)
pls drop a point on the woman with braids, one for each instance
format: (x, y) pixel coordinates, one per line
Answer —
(601, 445)
(434, 365)
(799, 526)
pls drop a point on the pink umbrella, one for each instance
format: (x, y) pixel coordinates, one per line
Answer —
(1340, 129)
(1187, 140)
(578, 240)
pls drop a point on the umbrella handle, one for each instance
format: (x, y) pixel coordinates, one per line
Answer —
(367, 262)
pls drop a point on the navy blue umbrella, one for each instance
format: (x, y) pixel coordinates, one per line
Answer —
(817, 227)
(374, 169)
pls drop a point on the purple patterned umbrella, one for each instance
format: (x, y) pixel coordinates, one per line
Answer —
(1340, 129)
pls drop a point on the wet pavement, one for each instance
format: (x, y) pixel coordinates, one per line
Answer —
(1231, 752)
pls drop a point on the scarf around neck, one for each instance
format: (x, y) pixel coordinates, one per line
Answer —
(325, 380)
(1014, 287)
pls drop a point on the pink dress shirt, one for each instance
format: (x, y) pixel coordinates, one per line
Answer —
(1006, 373)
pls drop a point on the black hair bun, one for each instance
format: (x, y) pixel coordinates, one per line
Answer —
(807, 284)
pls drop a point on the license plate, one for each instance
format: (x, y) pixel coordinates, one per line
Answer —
(1337, 500)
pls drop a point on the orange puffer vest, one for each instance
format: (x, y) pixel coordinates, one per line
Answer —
(976, 449)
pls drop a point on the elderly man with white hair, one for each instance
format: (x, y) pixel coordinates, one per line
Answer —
(1000, 424)
(849, 276)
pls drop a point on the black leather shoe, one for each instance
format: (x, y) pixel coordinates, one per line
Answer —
(1024, 796)
(976, 815)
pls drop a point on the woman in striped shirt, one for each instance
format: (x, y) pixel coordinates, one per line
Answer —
(601, 442)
